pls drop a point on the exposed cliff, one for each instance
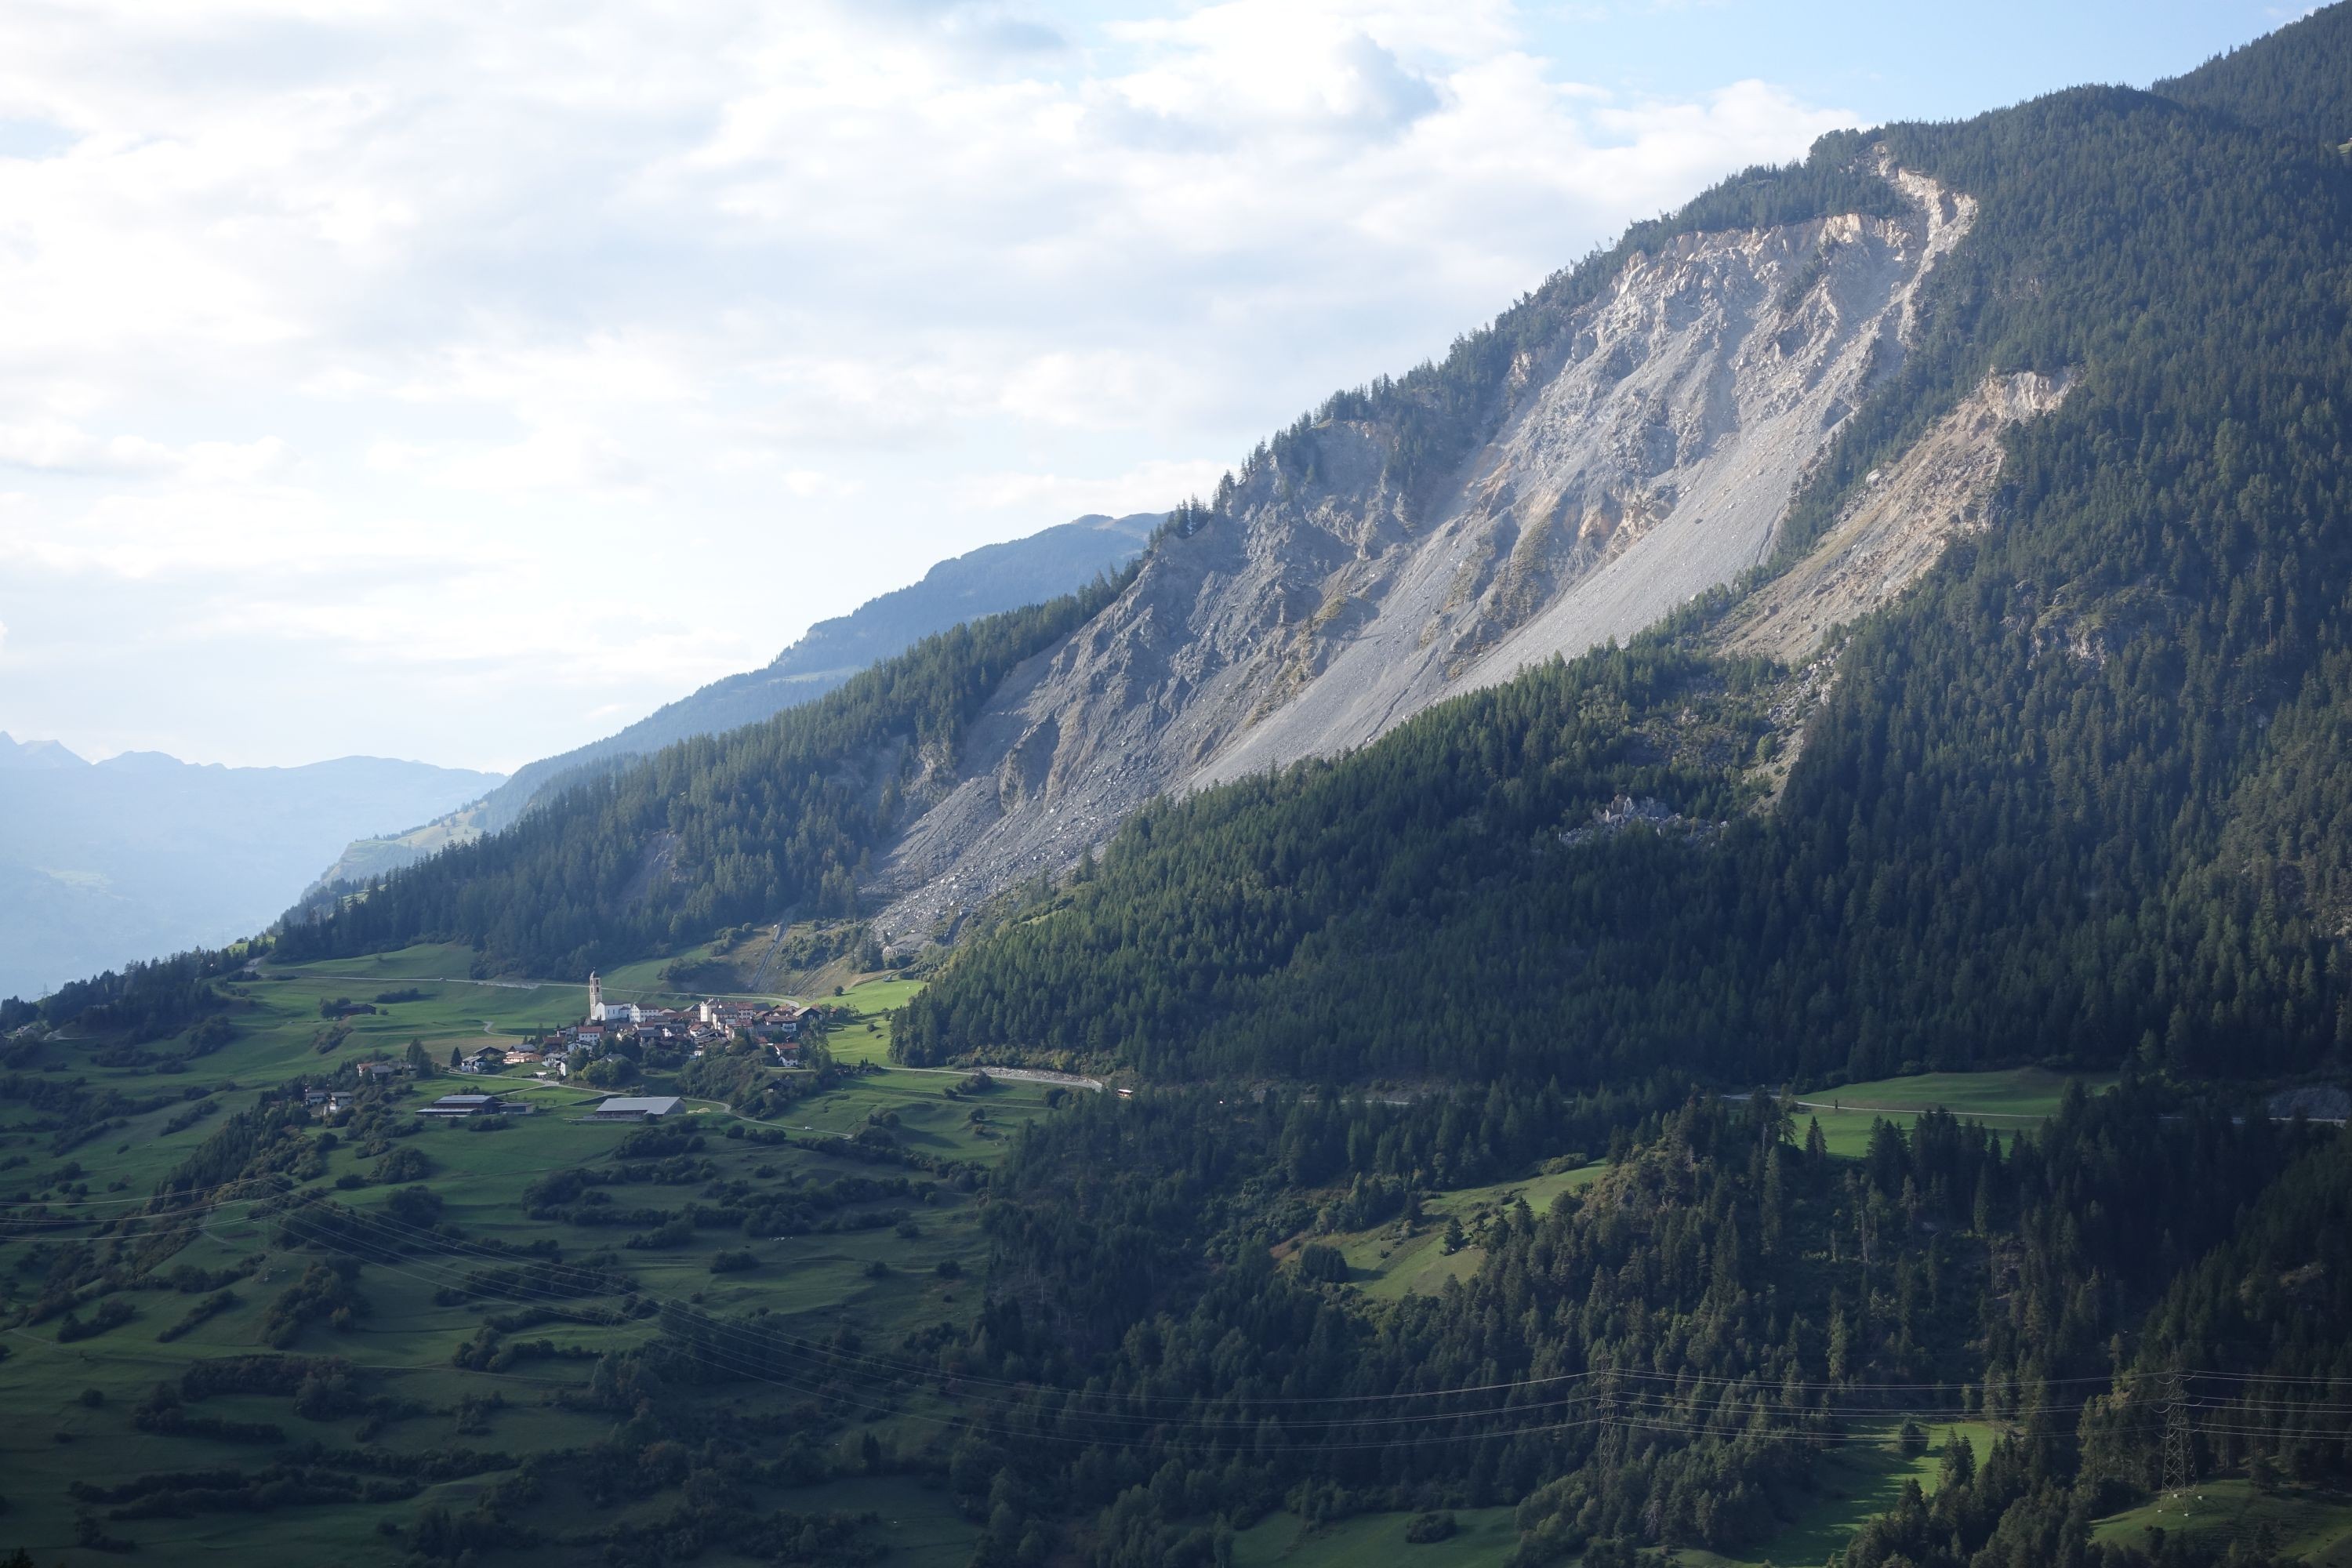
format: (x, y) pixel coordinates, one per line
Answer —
(1645, 452)
(1894, 529)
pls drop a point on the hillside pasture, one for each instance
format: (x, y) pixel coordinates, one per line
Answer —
(2300, 1521)
(2007, 1101)
(1405, 1257)
(882, 1247)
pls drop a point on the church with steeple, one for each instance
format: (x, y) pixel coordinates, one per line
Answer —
(603, 1012)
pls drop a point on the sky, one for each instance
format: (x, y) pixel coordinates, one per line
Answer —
(430, 379)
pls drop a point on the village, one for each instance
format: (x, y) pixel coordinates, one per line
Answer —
(685, 1034)
(625, 1033)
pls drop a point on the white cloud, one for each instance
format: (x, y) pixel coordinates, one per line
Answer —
(427, 337)
(57, 446)
(1149, 487)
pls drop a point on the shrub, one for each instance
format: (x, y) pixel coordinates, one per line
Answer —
(1327, 1264)
(1422, 1529)
(407, 1164)
(211, 1307)
(734, 1262)
(415, 1205)
(110, 1314)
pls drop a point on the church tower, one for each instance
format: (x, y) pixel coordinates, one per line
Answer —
(596, 998)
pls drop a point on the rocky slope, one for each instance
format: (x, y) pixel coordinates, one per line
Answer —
(1905, 515)
(1647, 456)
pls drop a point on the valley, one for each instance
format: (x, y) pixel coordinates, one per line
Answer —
(1716, 928)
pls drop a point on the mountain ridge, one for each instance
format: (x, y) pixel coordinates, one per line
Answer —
(2062, 254)
(1650, 442)
(992, 578)
(141, 854)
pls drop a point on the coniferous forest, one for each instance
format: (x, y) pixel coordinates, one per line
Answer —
(2080, 803)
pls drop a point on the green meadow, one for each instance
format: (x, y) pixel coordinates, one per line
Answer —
(1482, 1538)
(2298, 1521)
(2006, 1102)
(1406, 1258)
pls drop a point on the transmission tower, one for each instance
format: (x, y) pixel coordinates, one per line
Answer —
(2176, 1433)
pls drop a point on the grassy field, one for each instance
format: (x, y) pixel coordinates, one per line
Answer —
(1404, 1259)
(2007, 1101)
(877, 1269)
(1863, 1479)
(867, 1036)
(1483, 1537)
(2316, 1526)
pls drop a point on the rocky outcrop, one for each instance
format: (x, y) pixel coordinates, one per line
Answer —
(1647, 454)
(1896, 528)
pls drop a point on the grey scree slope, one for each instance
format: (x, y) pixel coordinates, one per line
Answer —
(1652, 459)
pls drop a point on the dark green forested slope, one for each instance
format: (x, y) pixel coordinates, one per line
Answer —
(2073, 797)
(1663, 1361)
(2292, 82)
(711, 831)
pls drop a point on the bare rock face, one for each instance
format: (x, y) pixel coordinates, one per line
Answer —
(1648, 457)
(1897, 527)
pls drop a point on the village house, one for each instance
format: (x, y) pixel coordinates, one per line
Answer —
(380, 1071)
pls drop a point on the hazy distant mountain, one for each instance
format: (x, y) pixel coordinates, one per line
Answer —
(983, 581)
(142, 855)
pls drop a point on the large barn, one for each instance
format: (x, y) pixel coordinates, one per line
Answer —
(647, 1108)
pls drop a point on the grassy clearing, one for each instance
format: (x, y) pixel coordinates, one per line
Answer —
(867, 1036)
(2316, 1526)
(1864, 1478)
(1483, 1537)
(1408, 1258)
(2007, 1101)
(971, 1126)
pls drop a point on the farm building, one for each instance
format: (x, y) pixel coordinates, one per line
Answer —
(463, 1105)
(641, 1108)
